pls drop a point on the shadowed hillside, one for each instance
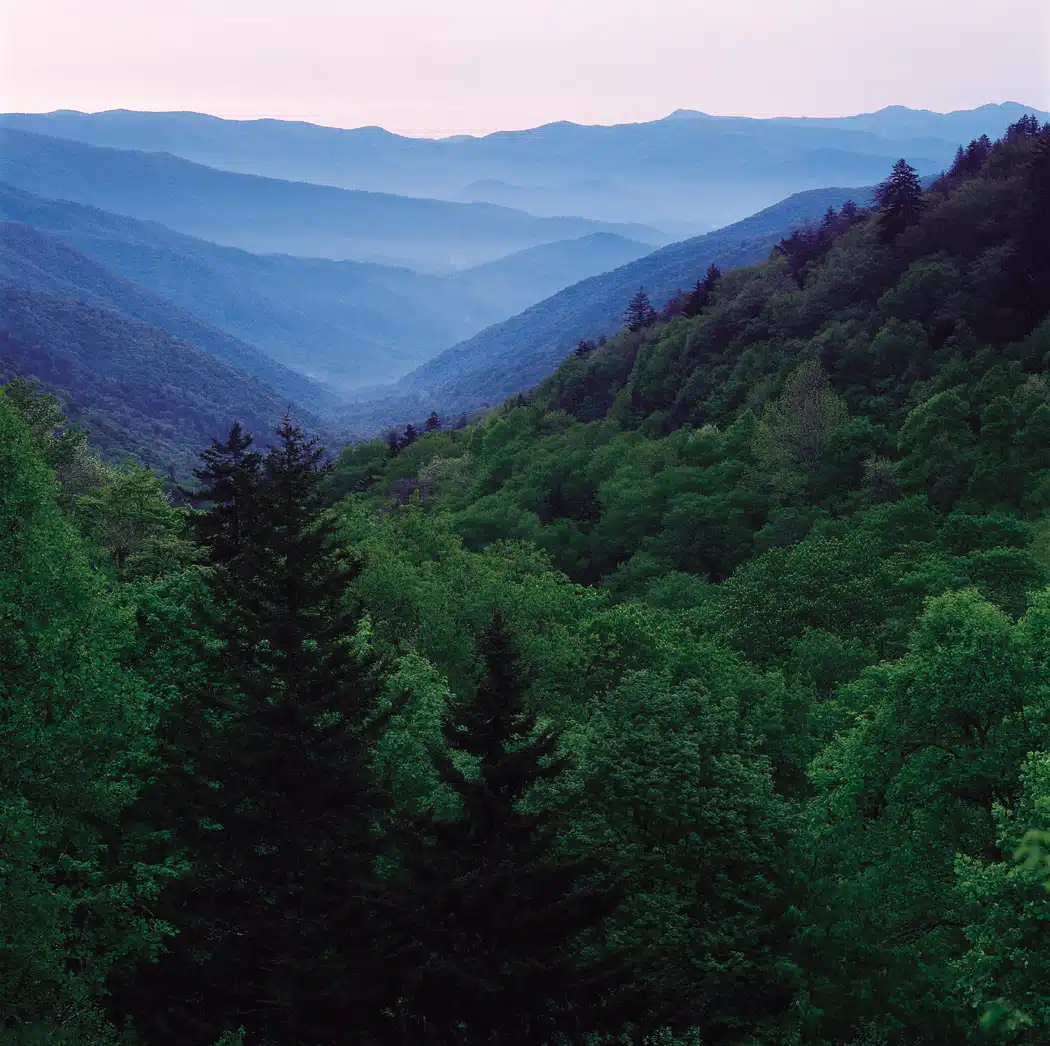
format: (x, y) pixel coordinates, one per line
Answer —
(38, 262)
(138, 390)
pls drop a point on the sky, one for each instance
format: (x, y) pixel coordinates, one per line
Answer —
(471, 66)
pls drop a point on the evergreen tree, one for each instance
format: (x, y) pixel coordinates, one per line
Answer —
(410, 435)
(700, 296)
(484, 935)
(850, 212)
(433, 423)
(229, 479)
(275, 798)
(693, 302)
(640, 312)
(830, 220)
(899, 200)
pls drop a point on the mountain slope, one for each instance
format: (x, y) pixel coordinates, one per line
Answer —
(516, 354)
(516, 281)
(269, 215)
(689, 169)
(348, 323)
(138, 390)
(39, 262)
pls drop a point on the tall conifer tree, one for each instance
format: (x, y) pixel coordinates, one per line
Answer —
(488, 915)
(899, 200)
(229, 478)
(640, 312)
(283, 805)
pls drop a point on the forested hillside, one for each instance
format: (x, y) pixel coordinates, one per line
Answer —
(38, 262)
(514, 355)
(700, 696)
(137, 390)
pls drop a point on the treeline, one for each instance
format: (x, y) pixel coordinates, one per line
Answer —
(702, 696)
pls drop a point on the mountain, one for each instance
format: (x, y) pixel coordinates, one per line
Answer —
(273, 216)
(516, 281)
(139, 390)
(514, 355)
(688, 172)
(347, 323)
(350, 324)
(40, 262)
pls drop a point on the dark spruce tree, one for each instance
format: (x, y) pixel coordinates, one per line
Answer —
(433, 422)
(280, 806)
(640, 312)
(229, 479)
(484, 937)
(899, 200)
(700, 296)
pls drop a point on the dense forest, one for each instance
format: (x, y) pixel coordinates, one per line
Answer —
(700, 696)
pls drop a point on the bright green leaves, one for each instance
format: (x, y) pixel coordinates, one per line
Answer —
(1006, 970)
(75, 732)
(929, 748)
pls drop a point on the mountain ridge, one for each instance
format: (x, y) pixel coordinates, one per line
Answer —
(41, 263)
(272, 215)
(139, 390)
(715, 168)
(347, 323)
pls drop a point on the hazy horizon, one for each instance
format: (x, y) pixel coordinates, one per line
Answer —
(499, 130)
(466, 68)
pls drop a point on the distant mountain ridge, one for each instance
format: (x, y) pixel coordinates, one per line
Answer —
(350, 324)
(547, 268)
(268, 215)
(689, 168)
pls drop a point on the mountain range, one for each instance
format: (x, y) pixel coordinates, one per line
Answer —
(269, 215)
(289, 287)
(349, 324)
(684, 174)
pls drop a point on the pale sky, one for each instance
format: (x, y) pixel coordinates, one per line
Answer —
(471, 66)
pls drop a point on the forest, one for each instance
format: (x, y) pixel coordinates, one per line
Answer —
(701, 695)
